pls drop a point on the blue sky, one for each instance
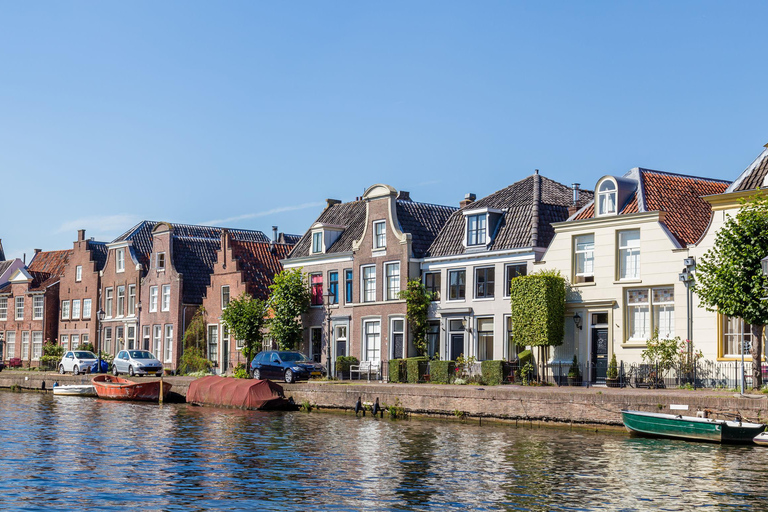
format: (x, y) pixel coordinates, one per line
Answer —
(249, 114)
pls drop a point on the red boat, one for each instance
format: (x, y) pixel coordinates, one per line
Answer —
(117, 388)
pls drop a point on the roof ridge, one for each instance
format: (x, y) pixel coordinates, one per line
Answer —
(428, 204)
(668, 173)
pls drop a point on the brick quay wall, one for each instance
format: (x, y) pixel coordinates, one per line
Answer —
(563, 405)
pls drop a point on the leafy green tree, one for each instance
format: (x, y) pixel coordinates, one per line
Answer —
(289, 299)
(193, 358)
(418, 300)
(729, 277)
(52, 354)
(245, 317)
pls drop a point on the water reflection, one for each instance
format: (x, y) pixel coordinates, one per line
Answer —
(69, 452)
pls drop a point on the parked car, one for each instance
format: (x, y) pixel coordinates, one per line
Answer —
(284, 365)
(136, 362)
(76, 361)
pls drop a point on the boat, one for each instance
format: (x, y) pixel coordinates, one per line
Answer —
(75, 390)
(690, 427)
(240, 393)
(761, 439)
(117, 388)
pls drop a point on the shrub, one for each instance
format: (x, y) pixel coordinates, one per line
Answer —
(344, 362)
(574, 372)
(52, 354)
(416, 369)
(396, 411)
(442, 372)
(397, 369)
(86, 346)
(493, 372)
(613, 368)
(241, 372)
(193, 361)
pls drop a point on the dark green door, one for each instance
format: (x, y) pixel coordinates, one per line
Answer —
(599, 354)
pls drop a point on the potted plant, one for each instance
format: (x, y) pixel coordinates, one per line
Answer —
(612, 380)
(574, 374)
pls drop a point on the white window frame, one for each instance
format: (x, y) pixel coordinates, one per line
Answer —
(735, 337)
(482, 354)
(157, 340)
(213, 343)
(120, 302)
(64, 339)
(477, 235)
(392, 289)
(607, 194)
(65, 310)
(367, 284)
(19, 303)
(108, 302)
(38, 305)
(37, 345)
(75, 341)
(10, 343)
(225, 338)
(448, 285)
(653, 309)
(225, 296)
(131, 299)
(372, 336)
(107, 340)
(317, 242)
(76, 309)
(120, 260)
(160, 262)
(379, 234)
(3, 308)
(392, 332)
(168, 342)
(78, 273)
(24, 344)
(166, 298)
(584, 258)
(153, 299)
(87, 308)
(629, 254)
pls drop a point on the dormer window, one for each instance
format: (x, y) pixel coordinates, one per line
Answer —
(606, 198)
(379, 234)
(120, 260)
(317, 242)
(476, 229)
(160, 264)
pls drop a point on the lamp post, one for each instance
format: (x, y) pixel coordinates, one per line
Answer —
(686, 277)
(329, 300)
(100, 316)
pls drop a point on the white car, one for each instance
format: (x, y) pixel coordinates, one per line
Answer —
(76, 361)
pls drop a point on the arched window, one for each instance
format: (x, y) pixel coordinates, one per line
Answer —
(606, 198)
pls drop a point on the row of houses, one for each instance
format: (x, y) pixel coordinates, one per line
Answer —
(621, 245)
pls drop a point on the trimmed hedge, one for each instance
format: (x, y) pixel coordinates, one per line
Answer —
(417, 368)
(538, 309)
(525, 357)
(344, 362)
(493, 372)
(442, 372)
(397, 369)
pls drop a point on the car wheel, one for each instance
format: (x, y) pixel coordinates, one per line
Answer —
(61, 369)
(76, 370)
(114, 370)
(257, 374)
(130, 371)
(289, 376)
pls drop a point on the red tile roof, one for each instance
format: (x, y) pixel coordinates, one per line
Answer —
(259, 264)
(47, 267)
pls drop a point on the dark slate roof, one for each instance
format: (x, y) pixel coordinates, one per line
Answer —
(423, 221)
(686, 216)
(2, 253)
(98, 253)
(350, 215)
(515, 228)
(259, 262)
(753, 176)
(291, 240)
(47, 267)
(4, 265)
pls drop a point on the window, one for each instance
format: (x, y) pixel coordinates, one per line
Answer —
(3, 308)
(379, 234)
(648, 310)
(512, 350)
(75, 341)
(735, 333)
(37, 345)
(316, 289)
(317, 242)
(393, 280)
(85, 339)
(213, 343)
(119, 339)
(157, 340)
(485, 282)
(333, 286)
(348, 285)
(606, 198)
(131, 338)
(64, 341)
(120, 260)
(584, 247)
(131, 299)
(160, 261)
(37, 307)
(513, 271)
(432, 284)
(10, 340)
(485, 338)
(120, 301)
(76, 309)
(65, 310)
(108, 302)
(108, 340)
(629, 254)
(433, 338)
(341, 340)
(225, 337)
(86, 308)
(373, 340)
(19, 308)
(166, 305)
(168, 343)
(456, 282)
(476, 229)
(78, 273)
(25, 344)
(153, 299)
(369, 283)
(224, 297)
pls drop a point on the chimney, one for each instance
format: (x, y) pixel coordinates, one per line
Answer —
(404, 195)
(224, 239)
(80, 235)
(38, 251)
(331, 202)
(468, 199)
(274, 233)
(575, 187)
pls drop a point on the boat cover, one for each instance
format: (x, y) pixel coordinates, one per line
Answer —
(241, 393)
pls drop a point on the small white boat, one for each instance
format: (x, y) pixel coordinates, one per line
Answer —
(75, 390)
(761, 439)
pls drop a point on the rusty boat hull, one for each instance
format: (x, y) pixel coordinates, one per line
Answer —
(116, 388)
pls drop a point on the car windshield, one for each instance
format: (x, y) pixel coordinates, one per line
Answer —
(85, 355)
(293, 356)
(140, 354)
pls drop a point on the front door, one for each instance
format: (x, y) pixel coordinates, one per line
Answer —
(600, 354)
(224, 357)
(316, 334)
(457, 345)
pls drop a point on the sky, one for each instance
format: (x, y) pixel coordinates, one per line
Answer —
(250, 114)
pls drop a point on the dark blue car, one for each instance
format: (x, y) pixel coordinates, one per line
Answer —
(284, 365)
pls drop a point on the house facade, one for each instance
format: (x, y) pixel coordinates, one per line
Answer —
(622, 254)
(482, 247)
(363, 253)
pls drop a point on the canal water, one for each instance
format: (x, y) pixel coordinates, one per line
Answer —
(69, 453)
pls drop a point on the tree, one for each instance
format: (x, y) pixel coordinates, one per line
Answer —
(245, 317)
(193, 358)
(417, 300)
(729, 278)
(289, 299)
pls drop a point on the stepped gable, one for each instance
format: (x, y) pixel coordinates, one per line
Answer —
(349, 215)
(47, 267)
(259, 262)
(515, 228)
(423, 221)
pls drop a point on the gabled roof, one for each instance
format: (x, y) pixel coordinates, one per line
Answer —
(98, 253)
(679, 196)
(752, 177)
(423, 221)
(259, 262)
(5, 265)
(2, 253)
(47, 267)
(349, 215)
(291, 240)
(528, 211)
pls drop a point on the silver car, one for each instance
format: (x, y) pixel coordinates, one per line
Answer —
(136, 362)
(76, 361)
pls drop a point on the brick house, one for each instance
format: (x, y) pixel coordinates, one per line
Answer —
(364, 252)
(29, 305)
(241, 266)
(79, 293)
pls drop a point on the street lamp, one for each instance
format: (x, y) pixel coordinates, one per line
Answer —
(329, 300)
(100, 315)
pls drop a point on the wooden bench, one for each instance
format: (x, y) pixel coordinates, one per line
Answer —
(366, 367)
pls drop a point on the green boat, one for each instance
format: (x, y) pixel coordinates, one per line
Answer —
(690, 427)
